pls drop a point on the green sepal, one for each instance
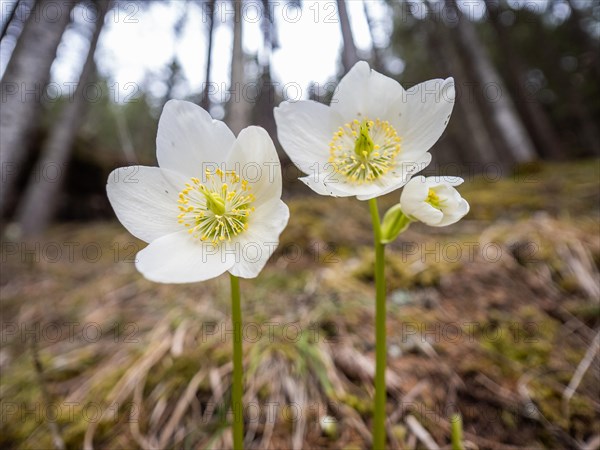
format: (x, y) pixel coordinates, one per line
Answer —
(394, 223)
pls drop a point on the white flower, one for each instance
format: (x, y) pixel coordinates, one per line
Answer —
(433, 200)
(213, 205)
(371, 139)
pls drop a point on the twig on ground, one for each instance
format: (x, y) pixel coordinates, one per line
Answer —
(593, 443)
(181, 407)
(582, 368)
(536, 414)
(134, 417)
(422, 434)
(57, 440)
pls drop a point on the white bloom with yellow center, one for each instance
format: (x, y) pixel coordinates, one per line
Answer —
(433, 200)
(213, 205)
(371, 139)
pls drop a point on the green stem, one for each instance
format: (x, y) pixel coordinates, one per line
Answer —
(236, 390)
(456, 422)
(379, 434)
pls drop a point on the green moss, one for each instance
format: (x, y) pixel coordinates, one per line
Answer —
(364, 406)
(528, 341)
(536, 187)
(406, 271)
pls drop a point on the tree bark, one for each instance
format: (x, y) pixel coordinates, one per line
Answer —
(265, 103)
(349, 52)
(581, 124)
(42, 194)
(480, 147)
(205, 102)
(269, 29)
(23, 84)
(592, 48)
(9, 18)
(239, 107)
(376, 58)
(542, 131)
(503, 115)
(590, 135)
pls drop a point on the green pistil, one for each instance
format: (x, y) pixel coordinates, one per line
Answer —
(364, 145)
(364, 151)
(214, 202)
(216, 212)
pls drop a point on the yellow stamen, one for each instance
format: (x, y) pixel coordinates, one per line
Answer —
(364, 151)
(434, 200)
(217, 210)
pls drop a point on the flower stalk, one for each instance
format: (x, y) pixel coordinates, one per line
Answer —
(370, 141)
(237, 386)
(456, 423)
(380, 332)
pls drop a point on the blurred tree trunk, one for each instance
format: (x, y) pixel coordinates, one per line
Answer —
(349, 52)
(175, 71)
(483, 150)
(42, 194)
(477, 145)
(583, 128)
(580, 35)
(502, 111)
(542, 131)
(376, 59)
(9, 18)
(265, 100)
(268, 27)
(590, 134)
(205, 102)
(24, 82)
(580, 105)
(125, 137)
(239, 108)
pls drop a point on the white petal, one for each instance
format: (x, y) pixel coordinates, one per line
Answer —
(366, 93)
(384, 186)
(305, 129)
(349, 97)
(255, 159)
(399, 176)
(428, 214)
(460, 210)
(189, 139)
(315, 182)
(446, 180)
(463, 208)
(414, 195)
(145, 200)
(415, 165)
(367, 191)
(449, 196)
(326, 183)
(428, 107)
(256, 245)
(336, 185)
(178, 258)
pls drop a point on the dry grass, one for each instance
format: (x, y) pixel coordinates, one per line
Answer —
(504, 332)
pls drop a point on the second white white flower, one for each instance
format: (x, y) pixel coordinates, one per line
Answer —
(433, 200)
(373, 137)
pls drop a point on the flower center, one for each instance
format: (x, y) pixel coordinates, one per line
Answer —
(434, 200)
(364, 151)
(218, 209)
